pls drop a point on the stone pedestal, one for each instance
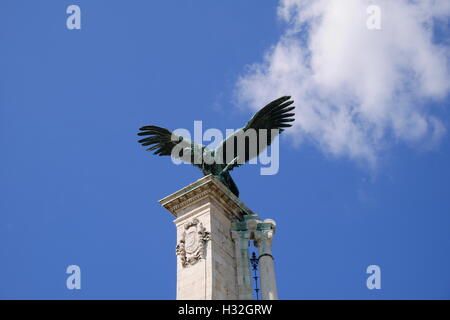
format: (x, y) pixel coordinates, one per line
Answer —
(214, 230)
(207, 264)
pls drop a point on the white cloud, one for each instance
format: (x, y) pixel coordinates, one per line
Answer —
(355, 88)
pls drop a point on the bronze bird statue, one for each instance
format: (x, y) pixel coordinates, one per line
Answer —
(237, 149)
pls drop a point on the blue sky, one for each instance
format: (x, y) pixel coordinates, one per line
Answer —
(78, 189)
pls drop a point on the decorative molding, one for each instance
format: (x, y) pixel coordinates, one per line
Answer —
(190, 200)
(208, 186)
(191, 247)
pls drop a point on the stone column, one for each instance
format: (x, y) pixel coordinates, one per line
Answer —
(244, 280)
(263, 240)
(207, 264)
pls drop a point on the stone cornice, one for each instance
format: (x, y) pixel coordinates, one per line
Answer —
(208, 186)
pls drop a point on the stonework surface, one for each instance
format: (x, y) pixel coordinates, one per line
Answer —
(204, 208)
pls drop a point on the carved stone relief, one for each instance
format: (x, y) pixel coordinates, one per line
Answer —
(191, 247)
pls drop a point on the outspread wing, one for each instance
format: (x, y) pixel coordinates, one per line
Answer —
(166, 143)
(248, 142)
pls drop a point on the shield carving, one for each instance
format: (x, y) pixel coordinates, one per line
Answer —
(191, 240)
(191, 245)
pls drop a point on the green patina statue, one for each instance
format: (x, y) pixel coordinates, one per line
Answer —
(235, 150)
